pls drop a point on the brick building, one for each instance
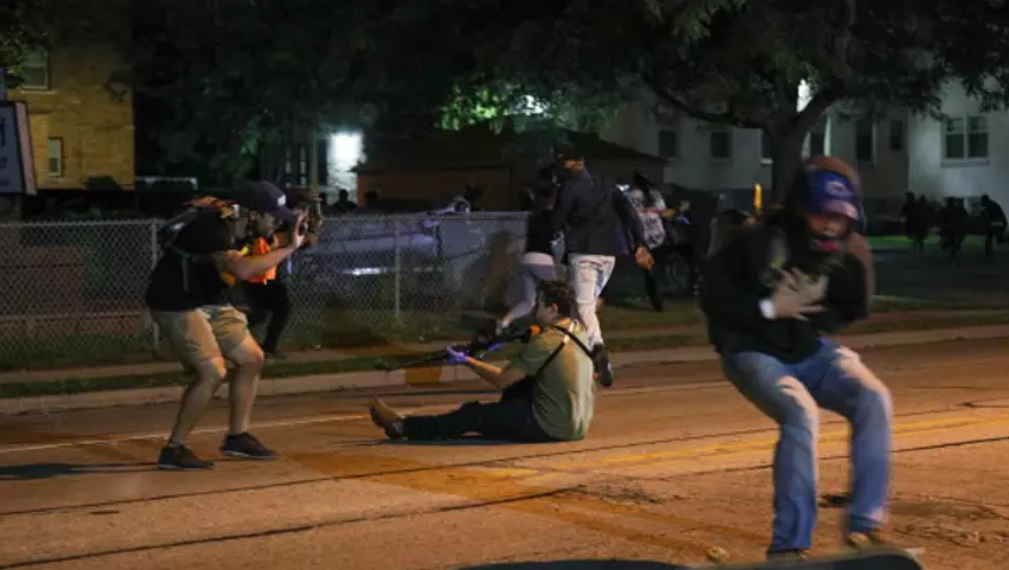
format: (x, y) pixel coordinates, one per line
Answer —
(81, 118)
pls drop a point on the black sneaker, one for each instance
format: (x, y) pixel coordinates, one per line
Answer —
(181, 458)
(247, 446)
(604, 368)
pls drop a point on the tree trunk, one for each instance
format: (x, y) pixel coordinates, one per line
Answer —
(786, 145)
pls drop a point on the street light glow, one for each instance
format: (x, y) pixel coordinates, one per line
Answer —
(345, 149)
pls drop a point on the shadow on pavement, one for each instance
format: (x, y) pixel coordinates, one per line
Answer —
(50, 470)
(581, 565)
(461, 442)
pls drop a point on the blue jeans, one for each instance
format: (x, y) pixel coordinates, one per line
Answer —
(833, 378)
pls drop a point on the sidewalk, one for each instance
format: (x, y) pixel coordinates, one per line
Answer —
(324, 355)
(331, 355)
(447, 374)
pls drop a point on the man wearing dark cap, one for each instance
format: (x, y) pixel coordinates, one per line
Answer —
(771, 293)
(187, 296)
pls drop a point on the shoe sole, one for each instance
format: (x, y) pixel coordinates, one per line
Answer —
(374, 418)
(169, 467)
(248, 456)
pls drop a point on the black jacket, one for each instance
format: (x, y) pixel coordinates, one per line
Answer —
(596, 218)
(540, 232)
(742, 273)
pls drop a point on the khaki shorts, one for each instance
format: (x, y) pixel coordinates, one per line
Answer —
(204, 333)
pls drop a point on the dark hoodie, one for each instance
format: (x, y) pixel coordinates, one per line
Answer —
(740, 275)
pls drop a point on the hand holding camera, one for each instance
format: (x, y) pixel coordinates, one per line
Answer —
(300, 231)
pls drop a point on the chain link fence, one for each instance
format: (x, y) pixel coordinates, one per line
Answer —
(72, 292)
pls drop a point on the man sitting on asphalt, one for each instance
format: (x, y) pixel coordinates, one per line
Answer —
(548, 391)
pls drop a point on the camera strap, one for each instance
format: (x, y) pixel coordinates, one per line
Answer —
(568, 335)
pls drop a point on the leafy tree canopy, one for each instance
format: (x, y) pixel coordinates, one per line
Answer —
(741, 62)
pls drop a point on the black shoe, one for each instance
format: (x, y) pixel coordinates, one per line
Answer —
(604, 368)
(797, 554)
(181, 458)
(247, 446)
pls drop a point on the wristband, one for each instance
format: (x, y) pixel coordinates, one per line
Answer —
(767, 309)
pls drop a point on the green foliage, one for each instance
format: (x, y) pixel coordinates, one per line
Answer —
(22, 31)
(740, 63)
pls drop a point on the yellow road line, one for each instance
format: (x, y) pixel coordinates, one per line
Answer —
(766, 449)
(723, 447)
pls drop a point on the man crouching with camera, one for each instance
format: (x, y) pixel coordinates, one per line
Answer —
(548, 392)
(187, 296)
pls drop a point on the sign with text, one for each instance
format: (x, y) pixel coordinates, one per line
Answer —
(17, 169)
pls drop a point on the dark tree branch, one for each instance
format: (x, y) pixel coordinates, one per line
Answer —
(727, 118)
(838, 62)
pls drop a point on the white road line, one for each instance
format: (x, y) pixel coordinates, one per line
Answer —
(333, 418)
(313, 420)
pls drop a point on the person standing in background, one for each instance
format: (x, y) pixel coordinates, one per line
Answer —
(652, 211)
(267, 293)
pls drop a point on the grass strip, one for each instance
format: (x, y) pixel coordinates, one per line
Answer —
(282, 370)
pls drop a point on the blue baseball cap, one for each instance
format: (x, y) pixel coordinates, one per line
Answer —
(266, 198)
(833, 193)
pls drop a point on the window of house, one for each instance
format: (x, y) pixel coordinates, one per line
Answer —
(55, 158)
(865, 141)
(720, 141)
(766, 148)
(669, 143)
(897, 135)
(965, 137)
(36, 71)
(977, 136)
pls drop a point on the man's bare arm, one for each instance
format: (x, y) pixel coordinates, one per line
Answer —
(494, 375)
(244, 267)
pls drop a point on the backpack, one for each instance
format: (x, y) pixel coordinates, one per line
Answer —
(168, 233)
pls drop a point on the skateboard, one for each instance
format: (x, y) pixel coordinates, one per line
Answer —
(874, 559)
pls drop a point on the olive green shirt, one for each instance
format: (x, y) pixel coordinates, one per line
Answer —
(564, 395)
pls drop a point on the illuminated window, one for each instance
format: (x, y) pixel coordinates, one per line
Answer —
(55, 158)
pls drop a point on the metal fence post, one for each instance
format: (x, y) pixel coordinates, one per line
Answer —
(397, 267)
(155, 333)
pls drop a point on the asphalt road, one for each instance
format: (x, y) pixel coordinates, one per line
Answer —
(677, 463)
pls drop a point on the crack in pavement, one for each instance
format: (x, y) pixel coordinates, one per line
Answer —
(286, 530)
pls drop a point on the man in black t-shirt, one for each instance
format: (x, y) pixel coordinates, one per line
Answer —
(187, 296)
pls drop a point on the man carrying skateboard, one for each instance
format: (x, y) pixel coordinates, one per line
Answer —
(769, 294)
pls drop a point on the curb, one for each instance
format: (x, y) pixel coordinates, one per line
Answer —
(447, 375)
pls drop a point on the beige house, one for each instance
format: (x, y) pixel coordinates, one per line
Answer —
(81, 118)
